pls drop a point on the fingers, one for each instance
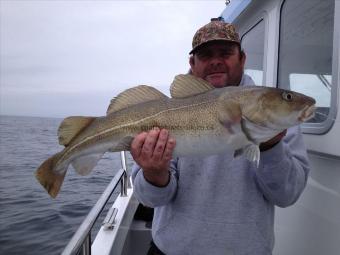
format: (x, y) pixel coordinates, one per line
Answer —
(152, 151)
(273, 141)
(161, 144)
(283, 133)
(137, 144)
(278, 137)
(150, 143)
(153, 147)
(170, 146)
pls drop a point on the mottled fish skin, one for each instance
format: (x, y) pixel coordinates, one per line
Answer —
(190, 117)
(203, 124)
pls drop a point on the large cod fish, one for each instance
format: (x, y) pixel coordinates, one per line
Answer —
(203, 120)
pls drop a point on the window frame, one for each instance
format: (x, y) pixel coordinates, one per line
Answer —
(258, 21)
(320, 128)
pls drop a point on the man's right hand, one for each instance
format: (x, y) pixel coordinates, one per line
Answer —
(152, 151)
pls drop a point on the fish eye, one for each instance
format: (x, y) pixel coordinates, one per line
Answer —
(287, 96)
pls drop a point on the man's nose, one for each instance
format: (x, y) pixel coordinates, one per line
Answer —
(216, 59)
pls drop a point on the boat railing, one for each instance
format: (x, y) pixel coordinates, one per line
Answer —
(80, 243)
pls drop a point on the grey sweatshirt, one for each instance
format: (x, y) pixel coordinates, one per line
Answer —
(224, 205)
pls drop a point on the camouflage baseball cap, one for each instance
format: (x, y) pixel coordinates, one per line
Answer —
(215, 30)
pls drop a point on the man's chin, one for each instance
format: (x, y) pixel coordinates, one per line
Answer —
(217, 80)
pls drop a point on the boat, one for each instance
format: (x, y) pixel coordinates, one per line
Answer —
(293, 44)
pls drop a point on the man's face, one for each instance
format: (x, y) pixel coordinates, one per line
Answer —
(220, 63)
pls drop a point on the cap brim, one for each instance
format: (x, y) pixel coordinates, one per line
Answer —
(214, 40)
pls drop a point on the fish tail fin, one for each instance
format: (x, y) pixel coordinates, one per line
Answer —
(48, 178)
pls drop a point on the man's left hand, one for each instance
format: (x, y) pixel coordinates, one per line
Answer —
(273, 141)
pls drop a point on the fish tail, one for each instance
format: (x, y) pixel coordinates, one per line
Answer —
(48, 177)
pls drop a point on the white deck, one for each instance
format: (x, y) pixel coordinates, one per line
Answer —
(128, 237)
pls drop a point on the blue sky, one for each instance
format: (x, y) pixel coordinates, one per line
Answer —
(61, 58)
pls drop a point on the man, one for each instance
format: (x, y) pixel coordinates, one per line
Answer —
(217, 204)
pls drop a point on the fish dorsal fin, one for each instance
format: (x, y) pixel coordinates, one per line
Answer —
(133, 96)
(71, 127)
(185, 85)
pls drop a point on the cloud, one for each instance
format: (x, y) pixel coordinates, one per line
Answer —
(60, 48)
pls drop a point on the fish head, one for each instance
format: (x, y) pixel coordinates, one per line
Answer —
(278, 108)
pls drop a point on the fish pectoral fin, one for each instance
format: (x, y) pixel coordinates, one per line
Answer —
(185, 85)
(71, 127)
(250, 152)
(84, 164)
(134, 96)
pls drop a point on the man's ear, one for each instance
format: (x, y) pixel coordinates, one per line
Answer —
(192, 61)
(192, 64)
(243, 58)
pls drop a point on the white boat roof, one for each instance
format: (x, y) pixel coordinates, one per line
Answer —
(234, 9)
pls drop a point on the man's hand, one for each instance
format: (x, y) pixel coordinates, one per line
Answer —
(272, 142)
(152, 151)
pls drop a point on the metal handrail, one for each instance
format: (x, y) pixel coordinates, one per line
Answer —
(125, 182)
(82, 237)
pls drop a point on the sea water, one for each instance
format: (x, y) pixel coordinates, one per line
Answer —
(31, 222)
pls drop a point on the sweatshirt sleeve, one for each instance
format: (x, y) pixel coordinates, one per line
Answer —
(151, 195)
(283, 170)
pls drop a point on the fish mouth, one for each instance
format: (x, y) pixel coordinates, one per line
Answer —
(307, 113)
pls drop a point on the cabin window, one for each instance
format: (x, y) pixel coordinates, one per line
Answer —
(305, 52)
(253, 45)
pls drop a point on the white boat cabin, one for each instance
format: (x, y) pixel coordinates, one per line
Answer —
(294, 44)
